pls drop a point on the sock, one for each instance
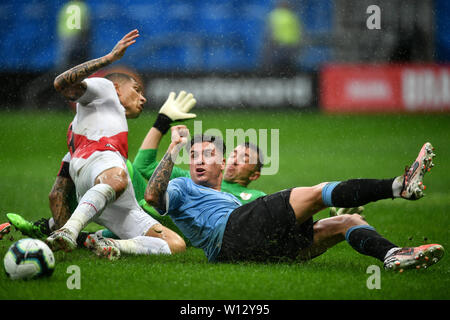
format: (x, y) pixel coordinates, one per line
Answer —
(81, 239)
(356, 192)
(90, 205)
(51, 224)
(397, 186)
(105, 233)
(365, 240)
(143, 245)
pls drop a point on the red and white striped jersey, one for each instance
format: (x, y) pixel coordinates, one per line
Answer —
(100, 123)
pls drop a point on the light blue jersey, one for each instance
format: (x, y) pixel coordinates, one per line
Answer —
(201, 213)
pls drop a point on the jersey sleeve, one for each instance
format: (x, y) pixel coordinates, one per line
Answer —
(173, 196)
(95, 89)
(138, 181)
(145, 162)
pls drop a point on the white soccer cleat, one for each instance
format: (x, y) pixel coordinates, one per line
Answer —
(102, 247)
(412, 184)
(61, 239)
(414, 257)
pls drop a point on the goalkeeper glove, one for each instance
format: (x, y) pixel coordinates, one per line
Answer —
(175, 109)
(338, 212)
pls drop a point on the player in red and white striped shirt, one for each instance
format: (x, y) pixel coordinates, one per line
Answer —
(99, 148)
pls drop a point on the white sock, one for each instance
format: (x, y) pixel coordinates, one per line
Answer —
(143, 245)
(397, 186)
(90, 205)
(51, 224)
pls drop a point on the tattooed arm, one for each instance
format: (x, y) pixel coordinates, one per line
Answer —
(157, 185)
(59, 200)
(70, 83)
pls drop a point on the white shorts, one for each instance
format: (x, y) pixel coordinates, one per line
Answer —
(124, 217)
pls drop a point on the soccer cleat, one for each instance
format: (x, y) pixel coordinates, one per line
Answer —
(414, 257)
(412, 185)
(4, 229)
(27, 228)
(102, 247)
(61, 239)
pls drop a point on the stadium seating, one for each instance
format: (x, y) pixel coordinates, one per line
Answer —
(176, 35)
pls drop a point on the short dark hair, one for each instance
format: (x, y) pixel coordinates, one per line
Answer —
(119, 77)
(259, 154)
(216, 140)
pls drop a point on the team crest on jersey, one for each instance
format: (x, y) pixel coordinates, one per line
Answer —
(245, 196)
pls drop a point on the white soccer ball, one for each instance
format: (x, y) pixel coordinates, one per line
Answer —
(29, 258)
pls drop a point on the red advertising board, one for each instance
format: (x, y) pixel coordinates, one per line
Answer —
(385, 88)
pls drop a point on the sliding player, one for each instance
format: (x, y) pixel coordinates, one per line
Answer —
(279, 225)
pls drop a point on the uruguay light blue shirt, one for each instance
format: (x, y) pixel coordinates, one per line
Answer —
(200, 212)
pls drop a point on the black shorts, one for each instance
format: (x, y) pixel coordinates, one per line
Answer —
(265, 230)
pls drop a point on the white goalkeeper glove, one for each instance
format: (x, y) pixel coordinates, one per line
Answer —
(178, 108)
(340, 211)
(175, 109)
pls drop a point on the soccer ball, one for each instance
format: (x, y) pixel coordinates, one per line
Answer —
(29, 258)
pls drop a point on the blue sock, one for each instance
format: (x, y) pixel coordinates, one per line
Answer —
(327, 191)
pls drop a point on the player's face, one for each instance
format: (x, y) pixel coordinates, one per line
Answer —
(206, 165)
(132, 98)
(241, 166)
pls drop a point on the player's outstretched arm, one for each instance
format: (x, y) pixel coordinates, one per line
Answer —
(157, 185)
(173, 109)
(70, 83)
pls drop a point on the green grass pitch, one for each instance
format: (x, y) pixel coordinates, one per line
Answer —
(313, 148)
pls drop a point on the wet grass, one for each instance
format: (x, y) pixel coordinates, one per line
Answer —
(313, 148)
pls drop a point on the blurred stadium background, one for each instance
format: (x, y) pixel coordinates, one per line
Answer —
(214, 47)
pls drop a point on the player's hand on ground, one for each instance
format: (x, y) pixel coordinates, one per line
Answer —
(179, 136)
(119, 49)
(178, 107)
